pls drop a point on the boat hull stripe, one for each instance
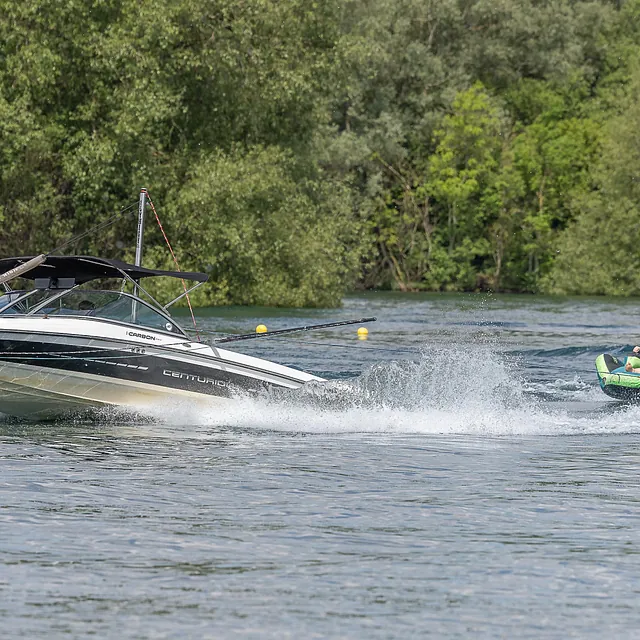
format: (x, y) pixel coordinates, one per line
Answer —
(151, 369)
(50, 338)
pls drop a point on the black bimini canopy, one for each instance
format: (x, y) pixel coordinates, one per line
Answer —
(86, 268)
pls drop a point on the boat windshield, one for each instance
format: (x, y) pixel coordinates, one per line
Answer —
(107, 305)
(22, 302)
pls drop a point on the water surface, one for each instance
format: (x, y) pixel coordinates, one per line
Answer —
(461, 476)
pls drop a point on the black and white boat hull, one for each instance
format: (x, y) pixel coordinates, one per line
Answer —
(52, 366)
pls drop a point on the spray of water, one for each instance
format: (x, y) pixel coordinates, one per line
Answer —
(455, 390)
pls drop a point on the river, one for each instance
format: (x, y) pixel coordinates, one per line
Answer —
(461, 476)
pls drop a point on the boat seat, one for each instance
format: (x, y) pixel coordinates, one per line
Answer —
(611, 362)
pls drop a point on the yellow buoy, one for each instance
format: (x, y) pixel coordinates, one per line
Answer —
(363, 332)
(261, 328)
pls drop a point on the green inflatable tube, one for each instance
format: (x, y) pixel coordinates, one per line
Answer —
(615, 381)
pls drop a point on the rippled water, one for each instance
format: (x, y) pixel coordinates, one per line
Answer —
(461, 476)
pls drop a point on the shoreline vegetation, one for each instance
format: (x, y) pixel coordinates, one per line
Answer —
(297, 150)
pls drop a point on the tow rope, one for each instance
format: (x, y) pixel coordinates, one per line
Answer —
(173, 255)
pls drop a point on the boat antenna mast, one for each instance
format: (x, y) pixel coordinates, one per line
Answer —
(140, 237)
(142, 202)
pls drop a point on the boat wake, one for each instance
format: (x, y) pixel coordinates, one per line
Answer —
(445, 391)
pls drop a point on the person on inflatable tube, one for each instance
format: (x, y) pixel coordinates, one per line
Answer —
(633, 362)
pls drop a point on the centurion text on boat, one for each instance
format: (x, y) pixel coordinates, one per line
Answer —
(65, 347)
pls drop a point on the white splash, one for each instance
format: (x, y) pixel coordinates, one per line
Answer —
(446, 391)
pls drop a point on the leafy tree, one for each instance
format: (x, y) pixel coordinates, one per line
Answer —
(417, 144)
(270, 232)
(598, 251)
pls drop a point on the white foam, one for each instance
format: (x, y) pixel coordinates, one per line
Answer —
(459, 390)
(464, 390)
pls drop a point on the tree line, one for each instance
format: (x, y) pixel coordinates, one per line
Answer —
(298, 149)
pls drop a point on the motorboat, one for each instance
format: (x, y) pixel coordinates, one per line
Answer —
(67, 346)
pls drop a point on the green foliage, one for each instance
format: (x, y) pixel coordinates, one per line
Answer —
(270, 233)
(98, 98)
(475, 183)
(299, 148)
(598, 252)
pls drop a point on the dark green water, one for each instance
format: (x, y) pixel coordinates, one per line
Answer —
(463, 477)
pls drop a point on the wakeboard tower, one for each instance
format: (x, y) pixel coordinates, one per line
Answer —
(615, 380)
(67, 346)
